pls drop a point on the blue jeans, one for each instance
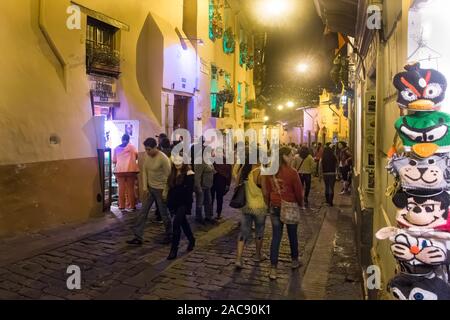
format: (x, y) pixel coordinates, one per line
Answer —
(277, 235)
(154, 195)
(246, 226)
(203, 199)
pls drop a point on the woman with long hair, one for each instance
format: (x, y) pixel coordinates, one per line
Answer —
(286, 186)
(328, 166)
(255, 211)
(179, 202)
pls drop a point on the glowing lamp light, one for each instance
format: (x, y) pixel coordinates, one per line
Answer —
(266, 118)
(280, 107)
(290, 104)
(274, 8)
(302, 67)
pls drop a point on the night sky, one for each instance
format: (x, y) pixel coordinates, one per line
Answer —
(296, 38)
(301, 38)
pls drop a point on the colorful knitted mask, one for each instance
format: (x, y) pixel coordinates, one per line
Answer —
(425, 133)
(420, 89)
(411, 287)
(416, 251)
(417, 174)
(422, 209)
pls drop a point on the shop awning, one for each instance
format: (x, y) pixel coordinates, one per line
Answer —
(339, 15)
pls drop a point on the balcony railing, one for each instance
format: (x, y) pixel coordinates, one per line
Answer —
(101, 59)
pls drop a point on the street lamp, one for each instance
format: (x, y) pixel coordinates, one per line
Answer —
(274, 8)
(302, 67)
(280, 108)
(266, 118)
(290, 104)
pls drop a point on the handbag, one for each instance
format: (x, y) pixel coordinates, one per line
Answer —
(290, 211)
(239, 200)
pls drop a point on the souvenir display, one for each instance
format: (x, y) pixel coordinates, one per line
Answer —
(421, 242)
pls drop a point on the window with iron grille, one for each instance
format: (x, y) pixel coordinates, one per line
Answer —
(102, 56)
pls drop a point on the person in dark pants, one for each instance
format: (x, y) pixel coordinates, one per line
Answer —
(221, 185)
(179, 202)
(305, 165)
(156, 170)
(328, 171)
(286, 186)
(164, 147)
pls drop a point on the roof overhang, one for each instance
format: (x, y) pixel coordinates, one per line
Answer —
(339, 15)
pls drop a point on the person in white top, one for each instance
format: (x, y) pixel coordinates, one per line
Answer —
(155, 173)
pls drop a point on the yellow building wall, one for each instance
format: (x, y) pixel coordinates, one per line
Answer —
(212, 53)
(44, 91)
(332, 118)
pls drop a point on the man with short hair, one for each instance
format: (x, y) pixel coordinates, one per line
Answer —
(155, 173)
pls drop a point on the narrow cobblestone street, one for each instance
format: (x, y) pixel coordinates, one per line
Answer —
(113, 270)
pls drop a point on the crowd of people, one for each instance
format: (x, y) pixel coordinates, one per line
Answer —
(172, 185)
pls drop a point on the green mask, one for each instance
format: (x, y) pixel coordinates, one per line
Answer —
(425, 133)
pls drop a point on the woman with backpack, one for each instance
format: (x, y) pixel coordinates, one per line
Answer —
(255, 211)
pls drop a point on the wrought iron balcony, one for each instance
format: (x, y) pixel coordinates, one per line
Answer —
(101, 59)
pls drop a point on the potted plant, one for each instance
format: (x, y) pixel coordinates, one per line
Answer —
(250, 62)
(217, 25)
(229, 43)
(243, 49)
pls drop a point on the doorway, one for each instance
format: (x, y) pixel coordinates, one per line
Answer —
(180, 112)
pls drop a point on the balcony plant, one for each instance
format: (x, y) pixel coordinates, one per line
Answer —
(229, 42)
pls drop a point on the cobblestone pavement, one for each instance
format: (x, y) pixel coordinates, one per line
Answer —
(344, 280)
(113, 270)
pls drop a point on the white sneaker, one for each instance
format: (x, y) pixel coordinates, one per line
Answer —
(273, 273)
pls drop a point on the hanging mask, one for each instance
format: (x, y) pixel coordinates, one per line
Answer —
(420, 89)
(417, 251)
(417, 174)
(422, 210)
(411, 287)
(425, 133)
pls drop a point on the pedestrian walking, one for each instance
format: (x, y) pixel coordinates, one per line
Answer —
(345, 162)
(165, 147)
(221, 185)
(126, 169)
(156, 171)
(305, 165)
(328, 167)
(283, 186)
(179, 202)
(255, 211)
(204, 178)
(318, 156)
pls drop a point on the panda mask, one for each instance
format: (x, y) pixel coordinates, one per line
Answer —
(410, 287)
